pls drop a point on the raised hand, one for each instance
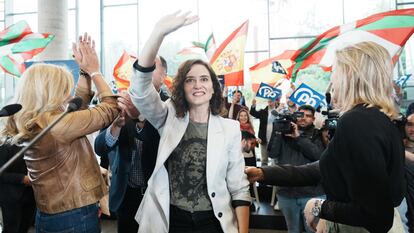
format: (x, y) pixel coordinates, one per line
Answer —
(85, 54)
(174, 21)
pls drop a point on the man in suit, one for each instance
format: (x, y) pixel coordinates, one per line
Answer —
(16, 196)
(131, 144)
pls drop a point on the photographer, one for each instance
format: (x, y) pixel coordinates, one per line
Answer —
(302, 145)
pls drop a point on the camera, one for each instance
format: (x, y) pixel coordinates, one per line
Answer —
(331, 122)
(282, 123)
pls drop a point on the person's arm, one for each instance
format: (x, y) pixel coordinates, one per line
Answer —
(312, 150)
(253, 110)
(242, 215)
(236, 180)
(80, 123)
(142, 92)
(285, 175)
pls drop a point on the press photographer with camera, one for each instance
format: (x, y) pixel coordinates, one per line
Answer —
(296, 141)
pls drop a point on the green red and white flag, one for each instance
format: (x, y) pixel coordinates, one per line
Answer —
(228, 59)
(18, 44)
(389, 29)
(264, 72)
(123, 71)
(210, 46)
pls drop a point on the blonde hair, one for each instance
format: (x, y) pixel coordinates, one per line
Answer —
(363, 75)
(43, 89)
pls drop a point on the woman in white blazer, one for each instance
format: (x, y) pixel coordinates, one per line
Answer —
(198, 184)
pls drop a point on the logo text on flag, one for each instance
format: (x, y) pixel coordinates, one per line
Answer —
(306, 95)
(277, 68)
(268, 92)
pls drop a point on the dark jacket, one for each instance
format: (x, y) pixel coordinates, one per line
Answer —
(289, 175)
(11, 181)
(262, 115)
(307, 148)
(120, 156)
(363, 170)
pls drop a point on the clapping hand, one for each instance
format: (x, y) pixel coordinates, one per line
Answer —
(85, 54)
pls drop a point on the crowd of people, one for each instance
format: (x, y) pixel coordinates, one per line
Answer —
(184, 162)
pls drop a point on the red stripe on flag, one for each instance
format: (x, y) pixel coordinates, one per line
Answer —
(234, 79)
(287, 54)
(397, 36)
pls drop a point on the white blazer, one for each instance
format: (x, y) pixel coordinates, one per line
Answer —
(226, 180)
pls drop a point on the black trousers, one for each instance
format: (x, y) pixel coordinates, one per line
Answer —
(19, 216)
(128, 209)
(182, 221)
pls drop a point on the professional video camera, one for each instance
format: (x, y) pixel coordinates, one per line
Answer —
(282, 123)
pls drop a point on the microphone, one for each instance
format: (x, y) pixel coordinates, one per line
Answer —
(9, 110)
(73, 105)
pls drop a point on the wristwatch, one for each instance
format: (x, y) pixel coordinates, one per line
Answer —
(316, 210)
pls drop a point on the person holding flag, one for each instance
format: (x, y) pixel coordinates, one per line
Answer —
(198, 184)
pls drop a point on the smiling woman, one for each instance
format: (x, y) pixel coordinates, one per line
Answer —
(196, 85)
(202, 188)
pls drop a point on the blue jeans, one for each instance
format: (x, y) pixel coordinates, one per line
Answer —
(80, 220)
(292, 209)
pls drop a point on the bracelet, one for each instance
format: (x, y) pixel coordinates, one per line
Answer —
(95, 73)
(84, 73)
(143, 69)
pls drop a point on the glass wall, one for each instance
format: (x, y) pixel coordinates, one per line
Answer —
(274, 25)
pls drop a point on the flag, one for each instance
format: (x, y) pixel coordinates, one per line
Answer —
(210, 46)
(17, 44)
(268, 92)
(228, 59)
(168, 81)
(389, 29)
(304, 94)
(189, 53)
(263, 72)
(123, 71)
(402, 80)
(277, 68)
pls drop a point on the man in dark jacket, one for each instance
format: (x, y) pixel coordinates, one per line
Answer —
(131, 144)
(303, 145)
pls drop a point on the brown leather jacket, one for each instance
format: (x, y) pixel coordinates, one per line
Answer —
(62, 166)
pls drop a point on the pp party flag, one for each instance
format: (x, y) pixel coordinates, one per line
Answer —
(268, 92)
(389, 29)
(17, 44)
(402, 80)
(123, 71)
(304, 94)
(264, 72)
(228, 59)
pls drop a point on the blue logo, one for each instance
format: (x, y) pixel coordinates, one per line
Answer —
(268, 92)
(306, 95)
(402, 80)
(277, 68)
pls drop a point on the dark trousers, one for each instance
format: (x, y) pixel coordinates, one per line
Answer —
(182, 221)
(128, 209)
(18, 217)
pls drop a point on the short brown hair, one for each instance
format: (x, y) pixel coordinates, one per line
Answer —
(178, 96)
